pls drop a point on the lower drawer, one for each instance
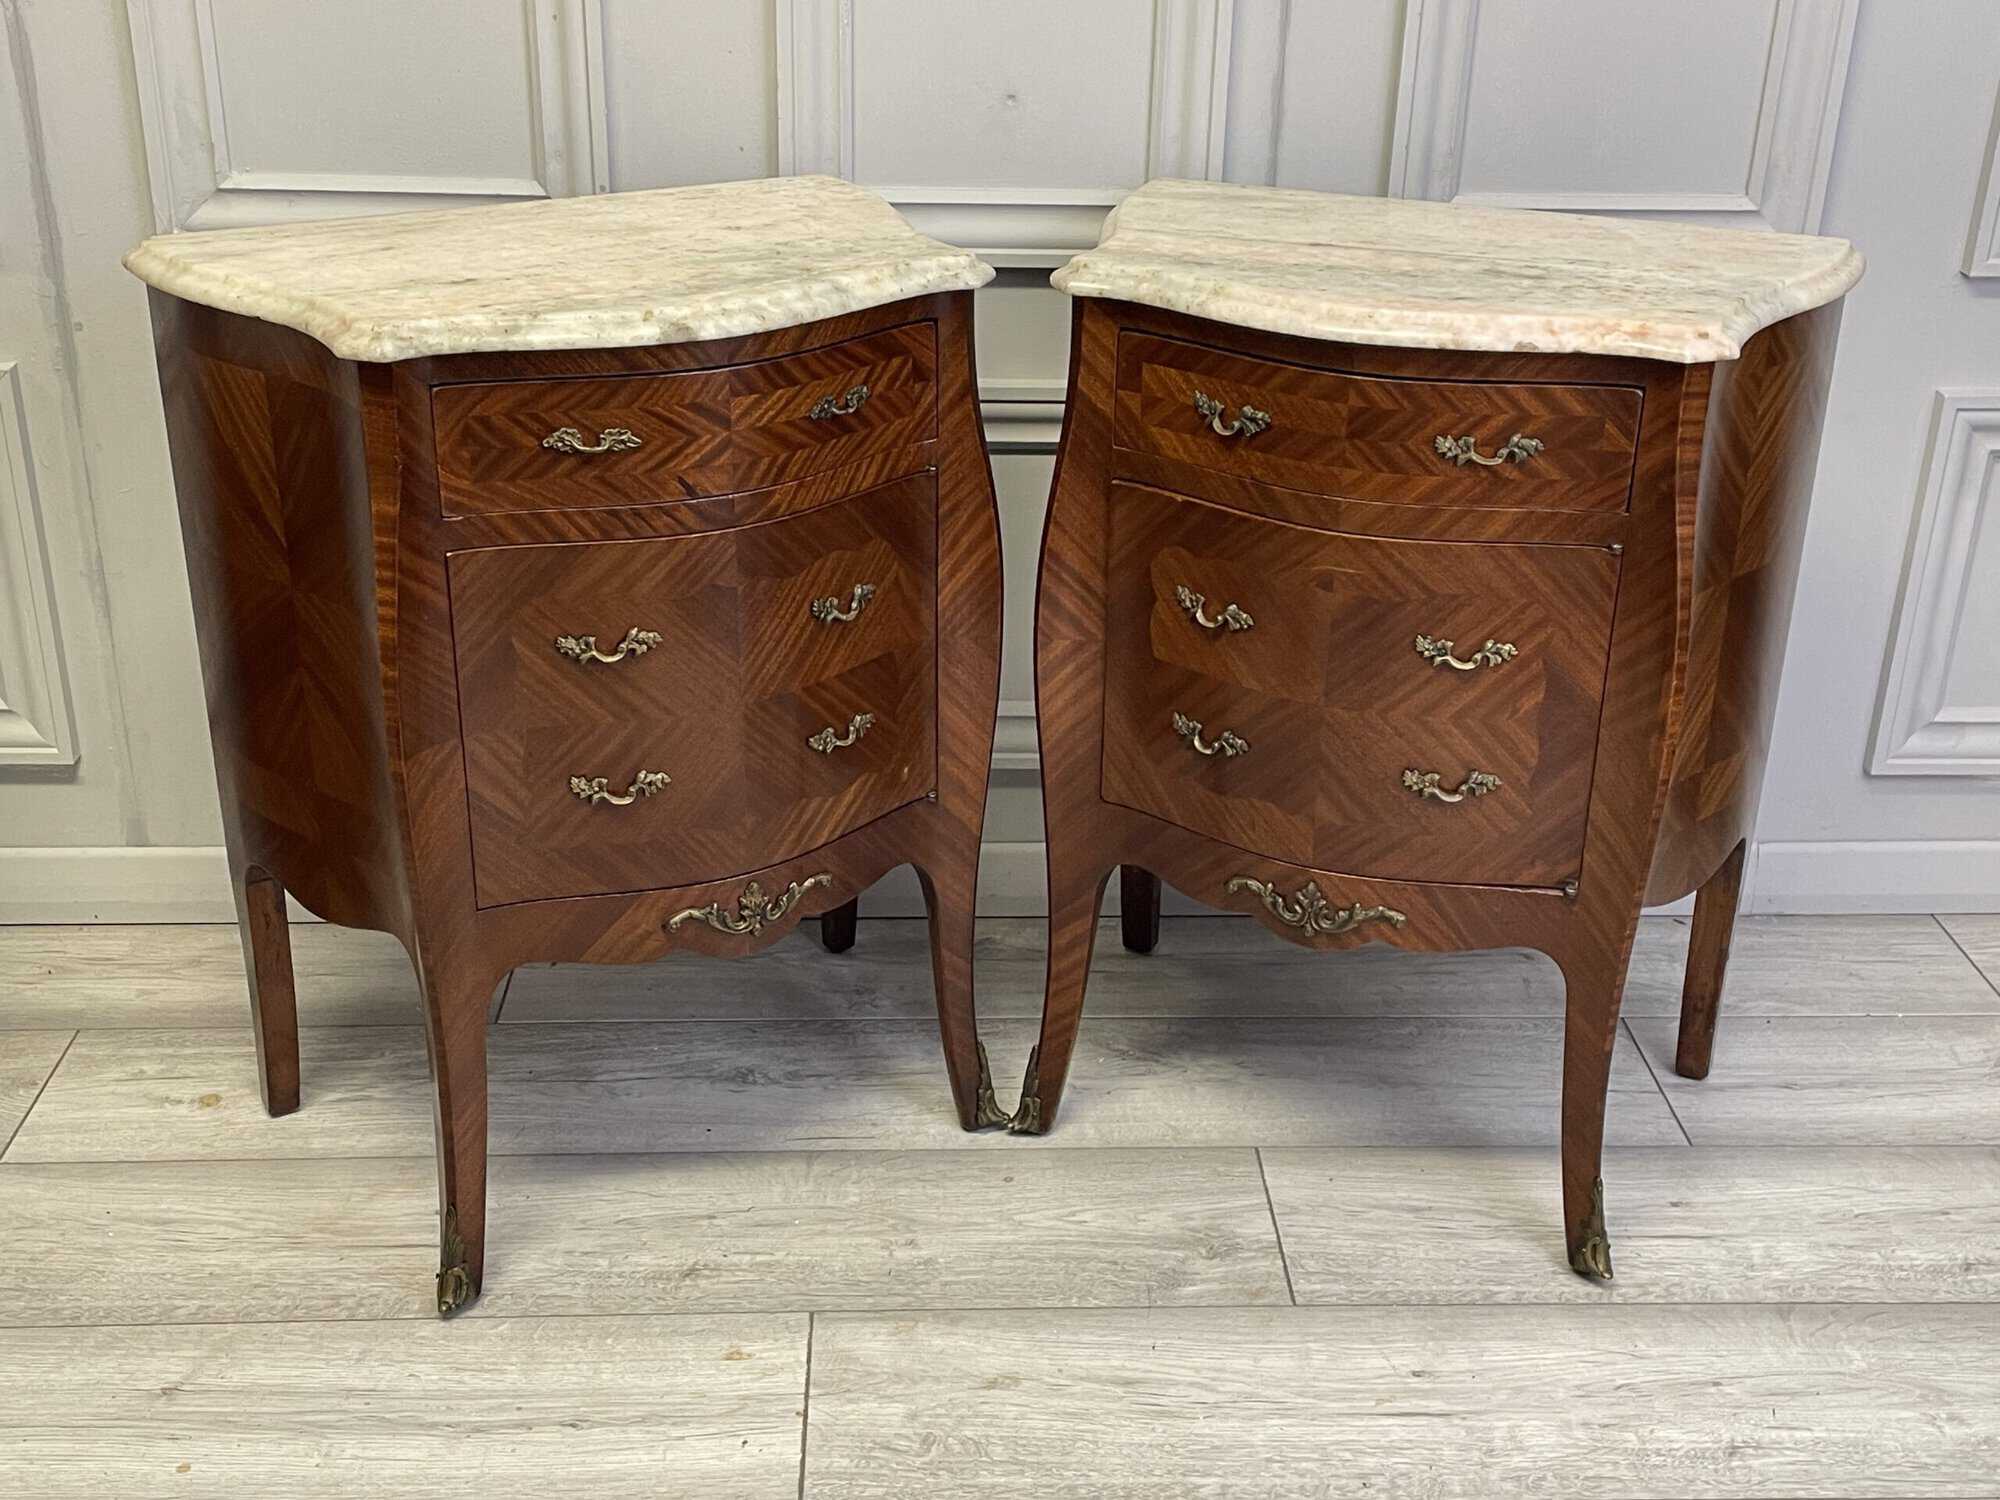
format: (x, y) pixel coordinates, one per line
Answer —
(1406, 710)
(670, 711)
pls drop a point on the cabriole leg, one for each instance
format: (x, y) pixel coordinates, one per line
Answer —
(1073, 908)
(1139, 908)
(1590, 1030)
(274, 1009)
(456, 1009)
(836, 927)
(1708, 958)
(948, 898)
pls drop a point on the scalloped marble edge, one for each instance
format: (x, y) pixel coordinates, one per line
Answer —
(652, 315)
(1191, 272)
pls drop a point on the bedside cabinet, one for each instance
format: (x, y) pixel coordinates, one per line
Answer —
(569, 580)
(1420, 575)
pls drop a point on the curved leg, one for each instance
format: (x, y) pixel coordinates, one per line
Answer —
(1073, 907)
(274, 1008)
(948, 897)
(1708, 958)
(836, 927)
(455, 1004)
(1139, 908)
(1590, 1029)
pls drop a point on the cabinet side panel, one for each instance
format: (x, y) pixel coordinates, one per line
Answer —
(1758, 460)
(266, 434)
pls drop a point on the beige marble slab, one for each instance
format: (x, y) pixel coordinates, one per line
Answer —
(132, 976)
(661, 267)
(484, 1409)
(1437, 1402)
(27, 1058)
(278, 1241)
(1437, 276)
(826, 1085)
(1845, 1080)
(1715, 1224)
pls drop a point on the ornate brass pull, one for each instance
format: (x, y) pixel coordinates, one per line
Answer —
(1427, 784)
(1439, 654)
(1465, 450)
(582, 649)
(827, 741)
(828, 610)
(845, 406)
(1231, 618)
(1247, 422)
(595, 789)
(611, 440)
(1309, 911)
(1226, 743)
(754, 910)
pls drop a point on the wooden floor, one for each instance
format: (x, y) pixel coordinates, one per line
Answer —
(1296, 1233)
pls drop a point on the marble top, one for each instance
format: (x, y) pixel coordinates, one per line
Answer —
(1437, 276)
(662, 267)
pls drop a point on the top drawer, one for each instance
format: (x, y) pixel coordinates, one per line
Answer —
(1413, 442)
(642, 439)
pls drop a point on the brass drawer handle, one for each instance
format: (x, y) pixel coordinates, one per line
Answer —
(845, 406)
(1439, 654)
(827, 611)
(1232, 618)
(754, 910)
(1247, 422)
(1228, 743)
(1427, 784)
(611, 440)
(827, 741)
(1309, 911)
(1465, 450)
(595, 789)
(582, 649)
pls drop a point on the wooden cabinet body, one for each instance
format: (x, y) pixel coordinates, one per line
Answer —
(514, 697)
(1300, 655)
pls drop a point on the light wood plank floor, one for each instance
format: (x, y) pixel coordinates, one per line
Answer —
(1295, 1236)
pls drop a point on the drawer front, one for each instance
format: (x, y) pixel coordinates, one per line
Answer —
(643, 439)
(741, 668)
(1361, 683)
(1411, 442)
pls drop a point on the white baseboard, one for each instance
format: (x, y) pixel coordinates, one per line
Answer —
(192, 884)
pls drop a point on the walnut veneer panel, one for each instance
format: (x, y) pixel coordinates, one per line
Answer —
(703, 433)
(1368, 438)
(743, 675)
(1329, 691)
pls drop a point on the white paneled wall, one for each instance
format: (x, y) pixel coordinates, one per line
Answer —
(1011, 129)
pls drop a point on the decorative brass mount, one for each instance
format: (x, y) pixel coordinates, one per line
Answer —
(1310, 911)
(754, 910)
(845, 406)
(828, 611)
(986, 1109)
(1465, 450)
(1247, 422)
(1231, 619)
(595, 789)
(1592, 1256)
(611, 440)
(455, 1286)
(582, 649)
(1027, 1116)
(1227, 743)
(1439, 654)
(1429, 784)
(827, 741)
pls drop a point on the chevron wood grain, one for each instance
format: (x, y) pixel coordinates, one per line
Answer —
(381, 573)
(1620, 702)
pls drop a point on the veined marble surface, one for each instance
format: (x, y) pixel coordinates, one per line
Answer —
(1434, 276)
(663, 267)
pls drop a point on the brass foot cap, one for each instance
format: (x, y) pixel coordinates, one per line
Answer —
(1592, 1259)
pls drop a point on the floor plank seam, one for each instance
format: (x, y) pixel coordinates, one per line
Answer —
(1284, 1262)
(20, 1124)
(805, 1404)
(1952, 937)
(1633, 1037)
